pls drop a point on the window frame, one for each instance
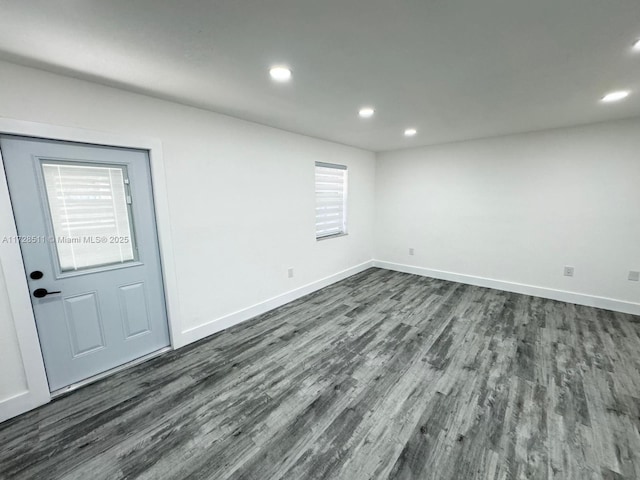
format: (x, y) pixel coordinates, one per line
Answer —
(59, 272)
(345, 196)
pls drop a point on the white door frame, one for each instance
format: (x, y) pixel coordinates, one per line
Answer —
(37, 392)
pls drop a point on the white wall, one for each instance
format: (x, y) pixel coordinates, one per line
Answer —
(517, 209)
(241, 199)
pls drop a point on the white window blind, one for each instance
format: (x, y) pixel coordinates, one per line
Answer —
(90, 214)
(331, 199)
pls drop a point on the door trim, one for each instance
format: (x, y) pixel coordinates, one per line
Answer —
(36, 391)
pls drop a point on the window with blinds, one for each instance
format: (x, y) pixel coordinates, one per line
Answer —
(89, 210)
(331, 199)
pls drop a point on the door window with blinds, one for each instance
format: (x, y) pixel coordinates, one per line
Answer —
(331, 200)
(89, 207)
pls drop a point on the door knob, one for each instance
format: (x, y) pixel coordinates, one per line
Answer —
(42, 292)
(36, 275)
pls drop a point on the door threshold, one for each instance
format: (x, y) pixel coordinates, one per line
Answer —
(100, 376)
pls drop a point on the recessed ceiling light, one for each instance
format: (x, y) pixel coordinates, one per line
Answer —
(280, 73)
(410, 132)
(615, 96)
(636, 46)
(366, 112)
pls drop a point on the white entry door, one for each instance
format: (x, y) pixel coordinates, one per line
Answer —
(87, 232)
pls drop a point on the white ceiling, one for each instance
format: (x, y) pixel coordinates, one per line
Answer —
(454, 69)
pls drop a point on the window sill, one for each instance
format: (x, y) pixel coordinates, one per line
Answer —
(331, 236)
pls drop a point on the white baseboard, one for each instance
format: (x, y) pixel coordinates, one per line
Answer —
(214, 326)
(19, 404)
(561, 295)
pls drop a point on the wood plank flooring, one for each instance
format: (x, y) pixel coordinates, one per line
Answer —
(382, 375)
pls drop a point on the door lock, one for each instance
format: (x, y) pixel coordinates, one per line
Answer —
(42, 292)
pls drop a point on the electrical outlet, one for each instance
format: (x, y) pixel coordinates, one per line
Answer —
(568, 271)
(411, 251)
(290, 272)
(634, 276)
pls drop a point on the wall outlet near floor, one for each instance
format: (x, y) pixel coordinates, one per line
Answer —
(290, 272)
(634, 276)
(568, 271)
(411, 251)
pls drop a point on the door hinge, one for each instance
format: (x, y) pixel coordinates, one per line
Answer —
(129, 202)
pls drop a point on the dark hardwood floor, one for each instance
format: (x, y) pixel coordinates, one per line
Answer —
(383, 375)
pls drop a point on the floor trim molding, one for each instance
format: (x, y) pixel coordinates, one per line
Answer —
(550, 293)
(18, 404)
(219, 324)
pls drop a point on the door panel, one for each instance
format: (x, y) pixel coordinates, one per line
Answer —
(86, 220)
(84, 323)
(133, 304)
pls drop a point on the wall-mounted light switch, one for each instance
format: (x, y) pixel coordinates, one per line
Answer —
(568, 271)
